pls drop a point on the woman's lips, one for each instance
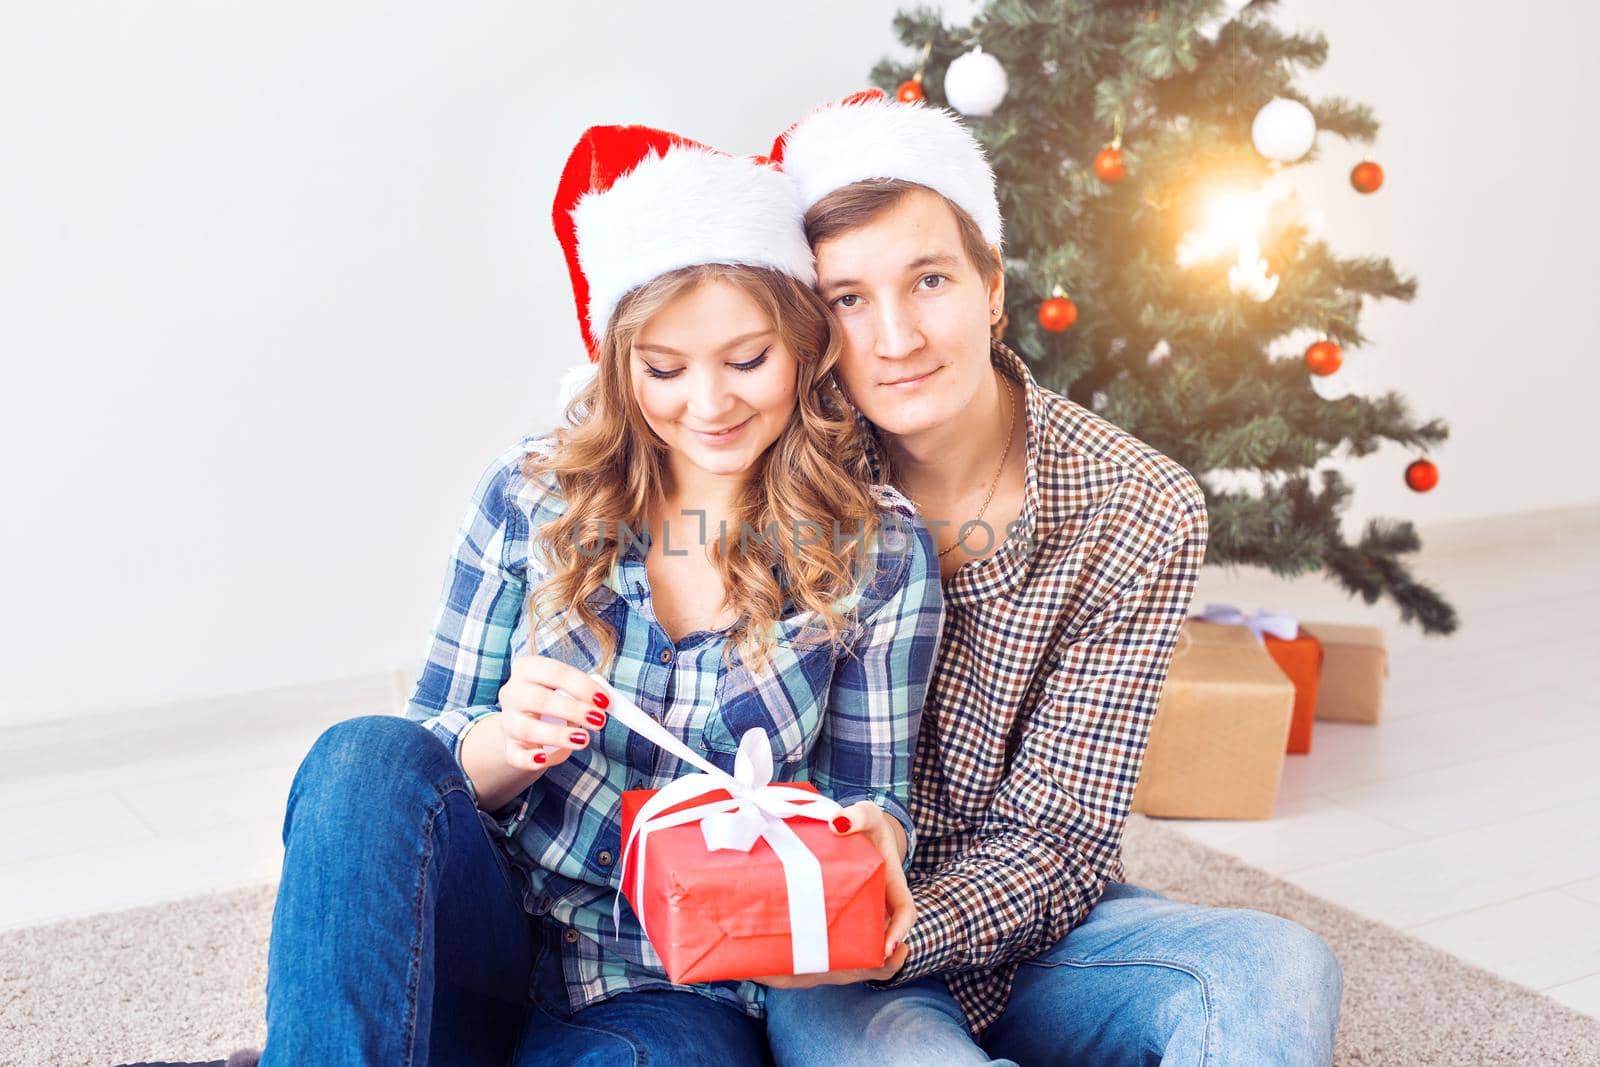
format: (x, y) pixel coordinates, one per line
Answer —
(722, 436)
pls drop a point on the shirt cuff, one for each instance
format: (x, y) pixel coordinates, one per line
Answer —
(931, 942)
(451, 726)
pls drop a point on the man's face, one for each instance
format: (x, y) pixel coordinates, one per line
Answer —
(915, 314)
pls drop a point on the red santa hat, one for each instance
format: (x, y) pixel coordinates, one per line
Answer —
(635, 203)
(867, 135)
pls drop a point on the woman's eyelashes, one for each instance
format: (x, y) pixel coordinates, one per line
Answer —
(752, 364)
(937, 279)
(748, 365)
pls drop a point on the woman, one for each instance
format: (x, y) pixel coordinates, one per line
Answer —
(451, 902)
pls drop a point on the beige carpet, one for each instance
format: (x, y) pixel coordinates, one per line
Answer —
(185, 981)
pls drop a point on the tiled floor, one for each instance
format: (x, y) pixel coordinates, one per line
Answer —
(1470, 816)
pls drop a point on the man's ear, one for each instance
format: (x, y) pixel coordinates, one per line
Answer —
(997, 284)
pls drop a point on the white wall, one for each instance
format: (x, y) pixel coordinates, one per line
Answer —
(277, 280)
(1489, 145)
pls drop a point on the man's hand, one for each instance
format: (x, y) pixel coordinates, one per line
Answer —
(861, 974)
(889, 836)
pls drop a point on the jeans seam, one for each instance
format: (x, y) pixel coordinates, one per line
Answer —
(430, 819)
(1206, 1044)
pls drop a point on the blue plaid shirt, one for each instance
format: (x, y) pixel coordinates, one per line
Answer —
(846, 720)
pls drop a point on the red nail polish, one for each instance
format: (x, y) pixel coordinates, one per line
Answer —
(841, 824)
(539, 757)
(596, 719)
(578, 737)
(601, 700)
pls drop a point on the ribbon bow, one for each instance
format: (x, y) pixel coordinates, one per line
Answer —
(754, 811)
(1283, 627)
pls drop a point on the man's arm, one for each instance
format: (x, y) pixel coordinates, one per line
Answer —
(1055, 825)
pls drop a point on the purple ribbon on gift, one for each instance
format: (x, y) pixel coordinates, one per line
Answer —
(1283, 627)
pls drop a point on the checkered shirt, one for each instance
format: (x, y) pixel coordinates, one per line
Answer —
(1049, 673)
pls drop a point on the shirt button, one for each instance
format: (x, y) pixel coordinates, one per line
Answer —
(604, 858)
(639, 784)
(570, 937)
(666, 655)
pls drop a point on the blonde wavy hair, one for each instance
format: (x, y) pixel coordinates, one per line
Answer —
(610, 466)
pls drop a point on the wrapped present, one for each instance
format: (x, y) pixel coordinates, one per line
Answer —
(1296, 651)
(737, 876)
(1217, 743)
(1354, 666)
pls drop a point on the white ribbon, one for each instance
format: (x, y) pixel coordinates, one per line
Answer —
(1283, 627)
(755, 811)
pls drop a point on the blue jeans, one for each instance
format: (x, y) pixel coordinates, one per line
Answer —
(1142, 980)
(399, 935)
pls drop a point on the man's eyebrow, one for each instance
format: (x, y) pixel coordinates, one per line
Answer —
(927, 259)
(734, 343)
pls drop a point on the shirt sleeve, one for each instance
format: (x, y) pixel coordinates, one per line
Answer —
(864, 748)
(1054, 830)
(469, 655)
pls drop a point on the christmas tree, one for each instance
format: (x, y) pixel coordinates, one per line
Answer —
(1156, 263)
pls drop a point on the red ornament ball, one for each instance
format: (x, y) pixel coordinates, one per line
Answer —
(1108, 165)
(1366, 177)
(909, 92)
(1323, 358)
(1422, 475)
(1058, 314)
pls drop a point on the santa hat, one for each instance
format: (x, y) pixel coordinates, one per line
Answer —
(867, 135)
(635, 203)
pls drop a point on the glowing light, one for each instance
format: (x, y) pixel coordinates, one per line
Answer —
(1231, 224)
(1230, 218)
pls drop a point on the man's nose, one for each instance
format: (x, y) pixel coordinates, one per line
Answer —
(898, 332)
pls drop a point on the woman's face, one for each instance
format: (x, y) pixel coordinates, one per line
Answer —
(713, 379)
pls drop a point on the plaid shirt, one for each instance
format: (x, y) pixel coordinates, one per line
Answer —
(844, 719)
(1048, 677)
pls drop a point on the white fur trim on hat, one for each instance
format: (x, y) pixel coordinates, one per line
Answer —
(843, 143)
(687, 207)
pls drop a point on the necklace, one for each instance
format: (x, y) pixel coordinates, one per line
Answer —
(1011, 426)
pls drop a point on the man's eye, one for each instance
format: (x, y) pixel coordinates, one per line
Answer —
(840, 302)
(936, 279)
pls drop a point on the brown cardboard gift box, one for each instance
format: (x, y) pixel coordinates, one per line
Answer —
(1217, 743)
(1354, 665)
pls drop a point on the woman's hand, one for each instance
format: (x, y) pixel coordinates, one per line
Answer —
(547, 709)
(885, 832)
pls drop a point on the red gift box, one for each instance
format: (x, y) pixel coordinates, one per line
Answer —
(1300, 659)
(717, 916)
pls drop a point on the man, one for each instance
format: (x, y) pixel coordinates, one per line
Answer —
(1069, 552)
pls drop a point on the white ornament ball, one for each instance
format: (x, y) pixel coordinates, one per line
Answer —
(1283, 130)
(975, 83)
(1249, 277)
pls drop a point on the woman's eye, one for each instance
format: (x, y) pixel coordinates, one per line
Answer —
(841, 301)
(662, 375)
(754, 363)
(936, 279)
